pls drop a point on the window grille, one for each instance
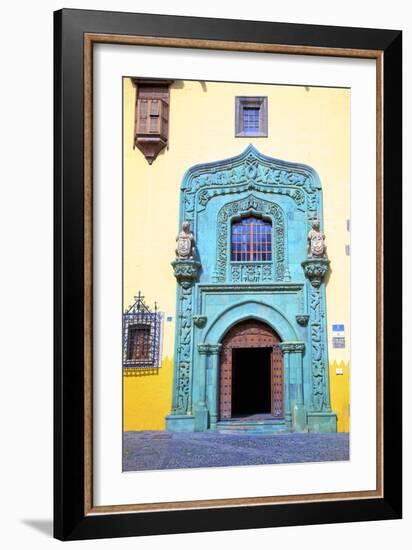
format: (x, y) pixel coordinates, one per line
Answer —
(141, 335)
(251, 240)
(250, 120)
(251, 116)
(138, 348)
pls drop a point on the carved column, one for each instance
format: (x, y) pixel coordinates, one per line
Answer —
(315, 270)
(212, 384)
(207, 376)
(294, 359)
(186, 273)
(286, 382)
(200, 407)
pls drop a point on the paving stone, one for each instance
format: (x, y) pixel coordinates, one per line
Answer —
(151, 450)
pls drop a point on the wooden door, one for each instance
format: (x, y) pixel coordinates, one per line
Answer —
(250, 334)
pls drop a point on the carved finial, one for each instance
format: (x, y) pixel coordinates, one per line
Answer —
(185, 249)
(316, 239)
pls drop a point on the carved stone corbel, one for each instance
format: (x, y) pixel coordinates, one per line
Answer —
(302, 320)
(186, 272)
(199, 321)
(315, 270)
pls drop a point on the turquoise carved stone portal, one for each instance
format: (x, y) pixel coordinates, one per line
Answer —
(215, 293)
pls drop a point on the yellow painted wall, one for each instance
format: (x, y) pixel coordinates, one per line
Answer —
(306, 125)
(147, 397)
(339, 393)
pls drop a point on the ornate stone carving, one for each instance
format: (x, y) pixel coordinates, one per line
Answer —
(209, 349)
(316, 239)
(203, 348)
(185, 248)
(186, 271)
(184, 326)
(249, 171)
(250, 273)
(183, 387)
(302, 320)
(300, 189)
(292, 347)
(199, 321)
(214, 349)
(252, 165)
(320, 400)
(315, 270)
(205, 195)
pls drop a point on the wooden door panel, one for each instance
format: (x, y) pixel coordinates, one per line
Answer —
(250, 334)
(226, 383)
(277, 382)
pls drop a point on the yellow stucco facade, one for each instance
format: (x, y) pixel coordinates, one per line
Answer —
(305, 125)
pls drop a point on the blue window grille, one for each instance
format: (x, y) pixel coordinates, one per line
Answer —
(251, 240)
(250, 120)
(141, 335)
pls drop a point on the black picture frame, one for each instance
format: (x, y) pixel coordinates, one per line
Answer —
(71, 519)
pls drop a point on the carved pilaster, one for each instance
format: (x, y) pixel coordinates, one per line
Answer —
(315, 270)
(210, 378)
(186, 273)
(293, 361)
(204, 352)
(319, 352)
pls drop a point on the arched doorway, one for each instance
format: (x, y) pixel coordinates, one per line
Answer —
(251, 372)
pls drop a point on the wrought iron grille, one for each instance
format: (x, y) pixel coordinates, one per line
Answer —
(251, 240)
(141, 335)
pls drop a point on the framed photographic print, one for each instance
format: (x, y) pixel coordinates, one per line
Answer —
(227, 274)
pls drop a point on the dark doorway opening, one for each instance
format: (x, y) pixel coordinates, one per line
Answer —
(251, 387)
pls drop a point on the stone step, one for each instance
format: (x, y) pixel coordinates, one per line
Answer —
(251, 427)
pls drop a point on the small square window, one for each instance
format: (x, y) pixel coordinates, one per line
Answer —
(251, 116)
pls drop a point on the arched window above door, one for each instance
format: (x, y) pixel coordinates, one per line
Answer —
(251, 240)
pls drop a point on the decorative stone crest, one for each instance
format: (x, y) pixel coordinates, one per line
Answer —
(185, 248)
(315, 270)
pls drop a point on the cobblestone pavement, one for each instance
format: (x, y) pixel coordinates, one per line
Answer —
(164, 450)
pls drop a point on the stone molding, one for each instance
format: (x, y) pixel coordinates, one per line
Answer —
(292, 347)
(209, 349)
(199, 321)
